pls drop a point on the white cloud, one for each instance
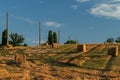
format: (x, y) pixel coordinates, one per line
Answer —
(27, 20)
(110, 9)
(37, 42)
(52, 24)
(75, 6)
(79, 1)
(82, 1)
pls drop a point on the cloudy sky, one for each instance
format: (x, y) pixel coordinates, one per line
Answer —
(88, 21)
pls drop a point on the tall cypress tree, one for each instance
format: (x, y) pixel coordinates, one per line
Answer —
(4, 37)
(55, 37)
(50, 38)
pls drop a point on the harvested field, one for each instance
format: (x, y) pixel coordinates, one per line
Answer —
(63, 63)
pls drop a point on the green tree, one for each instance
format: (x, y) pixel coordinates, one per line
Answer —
(117, 40)
(16, 39)
(50, 38)
(110, 40)
(25, 44)
(71, 42)
(4, 37)
(55, 37)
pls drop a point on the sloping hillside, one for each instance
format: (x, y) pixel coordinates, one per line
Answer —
(63, 63)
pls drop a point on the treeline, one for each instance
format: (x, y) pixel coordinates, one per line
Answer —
(112, 40)
(53, 38)
(18, 40)
(14, 39)
(71, 42)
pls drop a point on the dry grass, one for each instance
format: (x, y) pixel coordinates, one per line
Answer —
(116, 63)
(63, 63)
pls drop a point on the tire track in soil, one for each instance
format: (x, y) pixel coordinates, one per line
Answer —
(106, 69)
(90, 51)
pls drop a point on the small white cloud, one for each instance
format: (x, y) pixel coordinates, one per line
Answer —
(37, 42)
(110, 9)
(52, 24)
(82, 1)
(27, 20)
(79, 1)
(75, 7)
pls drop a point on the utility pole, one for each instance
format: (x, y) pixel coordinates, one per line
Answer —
(69, 38)
(7, 27)
(39, 33)
(58, 35)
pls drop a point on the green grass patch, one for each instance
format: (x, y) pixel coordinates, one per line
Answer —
(67, 49)
(104, 51)
(93, 55)
(95, 64)
(115, 63)
(36, 61)
(3, 52)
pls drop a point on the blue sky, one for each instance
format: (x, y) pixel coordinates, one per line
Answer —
(88, 21)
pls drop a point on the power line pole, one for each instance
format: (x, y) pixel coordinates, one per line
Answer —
(58, 35)
(7, 27)
(69, 38)
(39, 33)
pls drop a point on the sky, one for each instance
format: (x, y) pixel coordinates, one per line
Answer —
(88, 21)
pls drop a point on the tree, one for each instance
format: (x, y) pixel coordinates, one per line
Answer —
(117, 40)
(50, 38)
(55, 37)
(16, 39)
(71, 42)
(25, 44)
(4, 37)
(110, 40)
